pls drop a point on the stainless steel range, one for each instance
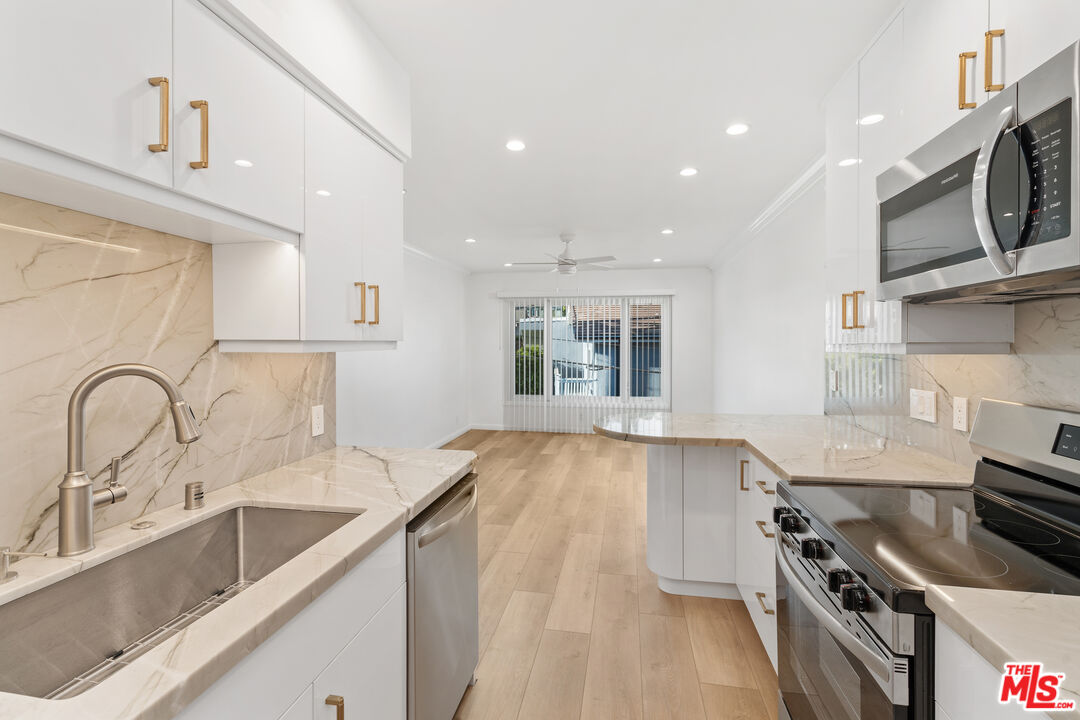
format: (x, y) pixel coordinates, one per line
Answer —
(856, 639)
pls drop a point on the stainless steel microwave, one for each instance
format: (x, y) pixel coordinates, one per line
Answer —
(987, 211)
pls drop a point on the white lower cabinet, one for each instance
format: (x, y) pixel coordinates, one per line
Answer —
(755, 568)
(349, 642)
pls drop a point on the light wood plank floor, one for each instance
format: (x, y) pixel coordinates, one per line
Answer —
(572, 624)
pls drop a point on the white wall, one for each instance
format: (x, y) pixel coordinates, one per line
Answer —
(691, 330)
(416, 395)
(770, 332)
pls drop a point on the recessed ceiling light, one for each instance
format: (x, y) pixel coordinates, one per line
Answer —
(243, 163)
(322, 193)
(657, 260)
(848, 162)
(737, 129)
(515, 145)
(508, 264)
(470, 240)
(688, 172)
(871, 119)
(666, 231)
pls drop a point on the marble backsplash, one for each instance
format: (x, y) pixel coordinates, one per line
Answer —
(1042, 369)
(78, 292)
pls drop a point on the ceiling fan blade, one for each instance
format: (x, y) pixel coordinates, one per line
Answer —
(546, 262)
(593, 266)
(598, 259)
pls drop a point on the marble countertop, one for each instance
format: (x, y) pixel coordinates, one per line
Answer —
(798, 448)
(1005, 626)
(387, 486)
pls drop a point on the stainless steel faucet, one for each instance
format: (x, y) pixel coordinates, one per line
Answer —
(77, 496)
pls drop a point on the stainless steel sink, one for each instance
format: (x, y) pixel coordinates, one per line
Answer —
(61, 640)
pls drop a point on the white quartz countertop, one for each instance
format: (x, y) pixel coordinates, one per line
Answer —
(798, 448)
(387, 486)
(1005, 626)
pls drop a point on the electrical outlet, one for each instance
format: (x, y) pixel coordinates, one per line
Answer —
(318, 427)
(960, 414)
(924, 405)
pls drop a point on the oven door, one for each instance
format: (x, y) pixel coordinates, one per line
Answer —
(826, 671)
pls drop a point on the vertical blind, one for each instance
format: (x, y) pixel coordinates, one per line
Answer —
(572, 360)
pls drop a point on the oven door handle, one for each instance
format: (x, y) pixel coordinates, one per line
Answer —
(874, 662)
(980, 196)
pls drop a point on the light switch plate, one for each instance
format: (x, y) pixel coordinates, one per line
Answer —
(318, 427)
(924, 405)
(834, 380)
(960, 414)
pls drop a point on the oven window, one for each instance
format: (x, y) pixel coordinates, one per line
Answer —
(931, 225)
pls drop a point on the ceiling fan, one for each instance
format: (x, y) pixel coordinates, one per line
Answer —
(566, 264)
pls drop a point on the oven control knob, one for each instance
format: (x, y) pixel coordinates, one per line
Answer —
(838, 577)
(854, 598)
(790, 523)
(812, 549)
(779, 512)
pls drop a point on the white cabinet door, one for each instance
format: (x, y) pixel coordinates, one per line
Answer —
(1035, 31)
(383, 242)
(254, 119)
(935, 33)
(744, 503)
(369, 675)
(303, 708)
(841, 216)
(335, 212)
(880, 122)
(74, 78)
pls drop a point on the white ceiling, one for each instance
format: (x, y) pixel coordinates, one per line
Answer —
(612, 98)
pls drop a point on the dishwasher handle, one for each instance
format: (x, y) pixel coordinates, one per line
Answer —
(446, 526)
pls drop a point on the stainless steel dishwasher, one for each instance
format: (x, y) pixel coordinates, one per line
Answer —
(444, 605)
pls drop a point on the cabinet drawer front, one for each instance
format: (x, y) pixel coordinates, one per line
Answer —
(255, 119)
(764, 623)
(74, 78)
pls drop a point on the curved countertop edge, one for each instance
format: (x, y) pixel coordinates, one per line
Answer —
(1006, 626)
(385, 486)
(872, 462)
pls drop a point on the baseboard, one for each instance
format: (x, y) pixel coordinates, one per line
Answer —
(482, 426)
(456, 434)
(724, 591)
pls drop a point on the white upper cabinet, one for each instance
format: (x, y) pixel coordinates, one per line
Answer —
(841, 215)
(1034, 31)
(354, 227)
(243, 146)
(74, 79)
(936, 33)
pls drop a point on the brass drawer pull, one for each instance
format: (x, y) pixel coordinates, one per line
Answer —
(338, 702)
(742, 475)
(761, 601)
(844, 325)
(163, 113)
(204, 135)
(855, 324)
(988, 67)
(375, 289)
(761, 526)
(963, 101)
(363, 303)
(761, 486)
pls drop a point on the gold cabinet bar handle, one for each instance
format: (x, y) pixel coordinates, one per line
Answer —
(338, 702)
(204, 138)
(761, 486)
(963, 101)
(855, 324)
(761, 601)
(363, 303)
(843, 312)
(375, 288)
(761, 526)
(988, 60)
(163, 114)
(742, 475)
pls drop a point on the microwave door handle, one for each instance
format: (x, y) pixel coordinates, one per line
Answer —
(980, 196)
(874, 662)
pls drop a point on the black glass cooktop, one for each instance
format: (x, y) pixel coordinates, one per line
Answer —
(901, 539)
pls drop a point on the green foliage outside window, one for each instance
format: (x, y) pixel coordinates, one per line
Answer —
(529, 370)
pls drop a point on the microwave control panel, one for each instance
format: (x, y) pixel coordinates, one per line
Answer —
(1047, 141)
